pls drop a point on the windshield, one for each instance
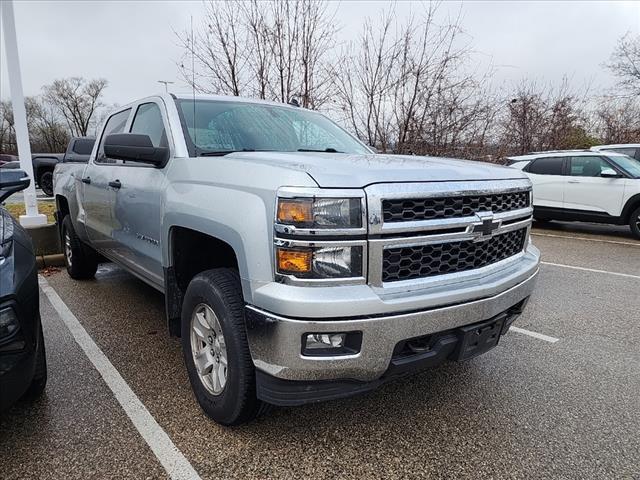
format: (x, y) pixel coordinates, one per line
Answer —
(222, 127)
(628, 164)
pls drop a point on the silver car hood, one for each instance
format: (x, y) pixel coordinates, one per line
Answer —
(338, 170)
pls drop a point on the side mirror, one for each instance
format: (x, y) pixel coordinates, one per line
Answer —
(609, 173)
(135, 148)
(12, 181)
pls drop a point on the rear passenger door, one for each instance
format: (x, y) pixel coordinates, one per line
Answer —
(588, 191)
(548, 181)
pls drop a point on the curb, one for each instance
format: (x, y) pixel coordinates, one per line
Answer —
(55, 260)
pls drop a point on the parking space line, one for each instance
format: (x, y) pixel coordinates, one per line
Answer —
(173, 461)
(539, 336)
(595, 270)
(586, 239)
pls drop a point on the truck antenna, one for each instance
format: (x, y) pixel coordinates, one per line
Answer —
(193, 85)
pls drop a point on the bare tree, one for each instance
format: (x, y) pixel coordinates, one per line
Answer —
(273, 50)
(618, 120)
(625, 63)
(76, 100)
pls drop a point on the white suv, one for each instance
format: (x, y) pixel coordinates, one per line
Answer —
(631, 149)
(584, 185)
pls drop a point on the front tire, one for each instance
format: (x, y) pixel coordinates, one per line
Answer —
(39, 381)
(46, 183)
(80, 259)
(634, 223)
(215, 348)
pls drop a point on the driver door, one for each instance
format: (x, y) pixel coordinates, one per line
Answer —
(588, 191)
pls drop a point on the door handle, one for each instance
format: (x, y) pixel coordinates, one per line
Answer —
(573, 181)
(115, 184)
(86, 180)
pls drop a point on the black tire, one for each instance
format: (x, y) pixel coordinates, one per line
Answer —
(634, 223)
(39, 381)
(46, 183)
(237, 402)
(80, 259)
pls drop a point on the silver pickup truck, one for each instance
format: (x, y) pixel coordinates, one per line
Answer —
(297, 264)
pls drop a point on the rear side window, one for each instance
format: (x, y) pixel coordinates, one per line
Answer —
(588, 166)
(83, 146)
(546, 166)
(148, 121)
(115, 124)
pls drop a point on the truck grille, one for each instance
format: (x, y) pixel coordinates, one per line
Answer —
(405, 210)
(407, 263)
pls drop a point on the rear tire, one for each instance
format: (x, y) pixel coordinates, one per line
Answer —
(213, 334)
(80, 259)
(39, 381)
(46, 183)
(634, 223)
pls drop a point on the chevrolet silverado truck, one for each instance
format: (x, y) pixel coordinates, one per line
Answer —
(297, 264)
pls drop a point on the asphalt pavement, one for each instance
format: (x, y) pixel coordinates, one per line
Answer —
(533, 407)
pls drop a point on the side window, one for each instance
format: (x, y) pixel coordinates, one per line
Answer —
(587, 166)
(83, 146)
(546, 166)
(115, 124)
(148, 121)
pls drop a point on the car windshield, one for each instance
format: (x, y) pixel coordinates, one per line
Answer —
(628, 164)
(221, 127)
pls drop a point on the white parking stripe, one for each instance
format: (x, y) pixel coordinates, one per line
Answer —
(573, 267)
(539, 336)
(586, 239)
(173, 461)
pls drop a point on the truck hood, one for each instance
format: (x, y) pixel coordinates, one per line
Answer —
(339, 170)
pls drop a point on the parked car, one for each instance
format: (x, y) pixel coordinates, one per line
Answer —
(6, 158)
(297, 265)
(43, 165)
(79, 149)
(23, 364)
(584, 185)
(631, 149)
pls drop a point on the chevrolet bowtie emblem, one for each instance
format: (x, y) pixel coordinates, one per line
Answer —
(485, 229)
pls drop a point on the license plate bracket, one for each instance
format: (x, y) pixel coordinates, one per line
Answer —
(479, 338)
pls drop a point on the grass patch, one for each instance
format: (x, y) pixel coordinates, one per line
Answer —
(46, 207)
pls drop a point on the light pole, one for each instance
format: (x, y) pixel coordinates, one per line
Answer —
(32, 217)
(165, 82)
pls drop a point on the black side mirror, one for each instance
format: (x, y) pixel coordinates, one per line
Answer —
(135, 148)
(12, 181)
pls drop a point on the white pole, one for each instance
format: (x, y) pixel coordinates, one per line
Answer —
(32, 218)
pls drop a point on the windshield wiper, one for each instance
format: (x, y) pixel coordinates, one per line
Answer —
(222, 153)
(326, 150)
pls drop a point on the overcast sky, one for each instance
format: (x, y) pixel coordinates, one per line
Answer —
(132, 44)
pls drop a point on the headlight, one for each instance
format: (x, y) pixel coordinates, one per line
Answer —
(320, 212)
(8, 322)
(319, 262)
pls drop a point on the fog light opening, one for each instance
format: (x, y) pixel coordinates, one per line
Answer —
(331, 344)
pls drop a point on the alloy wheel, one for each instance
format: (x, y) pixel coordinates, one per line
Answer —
(209, 349)
(68, 252)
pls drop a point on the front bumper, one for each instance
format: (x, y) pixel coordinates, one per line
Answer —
(275, 341)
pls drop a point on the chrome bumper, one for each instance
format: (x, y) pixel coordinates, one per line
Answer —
(276, 341)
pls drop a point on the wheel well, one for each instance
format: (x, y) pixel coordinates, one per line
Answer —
(191, 252)
(41, 170)
(62, 208)
(630, 206)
